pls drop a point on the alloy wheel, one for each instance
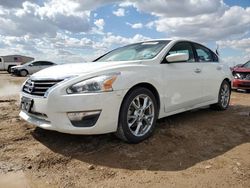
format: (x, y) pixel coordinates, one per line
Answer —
(225, 95)
(140, 116)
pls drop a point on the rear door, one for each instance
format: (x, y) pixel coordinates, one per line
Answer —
(182, 80)
(211, 72)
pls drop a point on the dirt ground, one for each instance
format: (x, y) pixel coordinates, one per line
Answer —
(201, 148)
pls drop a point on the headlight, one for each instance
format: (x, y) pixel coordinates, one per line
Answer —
(102, 83)
(237, 76)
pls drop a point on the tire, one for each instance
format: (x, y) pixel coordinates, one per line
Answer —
(138, 115)
(223, 97)
(248, 90)
(9, 69)
(23, 73)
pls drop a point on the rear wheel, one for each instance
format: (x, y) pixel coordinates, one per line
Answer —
(24, 72)
(138, 116)
(223, 97)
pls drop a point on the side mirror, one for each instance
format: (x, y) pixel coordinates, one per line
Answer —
(178, 57)
(30, 65)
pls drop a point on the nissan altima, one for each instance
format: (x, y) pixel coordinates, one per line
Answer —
(127, 89)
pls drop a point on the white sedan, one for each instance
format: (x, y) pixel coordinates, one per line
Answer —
(126, 90)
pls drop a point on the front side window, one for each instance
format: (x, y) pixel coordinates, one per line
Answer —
(139, 51)
(203, 54)
(183, 47)
(38, 63)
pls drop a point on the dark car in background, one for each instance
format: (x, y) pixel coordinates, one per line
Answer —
(30, 67)
(241, 77)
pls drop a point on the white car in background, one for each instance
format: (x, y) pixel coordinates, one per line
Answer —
(126, 90)
(30, 67)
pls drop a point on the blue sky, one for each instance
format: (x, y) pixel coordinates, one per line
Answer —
(69, 31)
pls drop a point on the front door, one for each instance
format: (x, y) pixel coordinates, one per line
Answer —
(183, 81)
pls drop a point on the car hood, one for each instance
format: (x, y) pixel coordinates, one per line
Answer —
(68, 70)
(241, 69)
(17, 66)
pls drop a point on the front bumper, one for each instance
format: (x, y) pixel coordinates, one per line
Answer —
(52, 113)
(15, 71)
(241, 84)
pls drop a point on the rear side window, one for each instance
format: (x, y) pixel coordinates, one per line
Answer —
(45, 63)
(183, 47)
(203, 53)
(37, 63)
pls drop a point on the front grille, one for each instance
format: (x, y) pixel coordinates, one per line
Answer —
(244, 75)
(38, 87)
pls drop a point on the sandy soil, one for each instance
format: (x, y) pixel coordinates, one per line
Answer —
(201, 148)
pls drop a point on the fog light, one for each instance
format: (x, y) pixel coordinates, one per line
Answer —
(84, 119)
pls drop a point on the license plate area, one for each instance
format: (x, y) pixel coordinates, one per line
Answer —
(26, 104)
(245, 84)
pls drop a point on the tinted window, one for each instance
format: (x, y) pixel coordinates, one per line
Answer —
(42, 63)
(203, 53)
(35, 63)
(0, 59)
(46, 63)
(183, 47)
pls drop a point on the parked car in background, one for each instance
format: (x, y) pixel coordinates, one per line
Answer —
(242, 77)
(30, 67)
(126, 90)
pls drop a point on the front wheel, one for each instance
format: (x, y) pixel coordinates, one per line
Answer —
(223, 97)
(9, 69)
(23, 73)
(138, 115)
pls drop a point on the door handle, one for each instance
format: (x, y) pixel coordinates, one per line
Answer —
(197, 70)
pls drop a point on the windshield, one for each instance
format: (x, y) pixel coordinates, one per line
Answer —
(138, 51)
(246, 65)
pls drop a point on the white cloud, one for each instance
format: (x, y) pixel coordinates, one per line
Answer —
(45, 19)
(233, 22)
(173, 8)
(241, 44)
(14, 3)
(136, 25)
(100, 23)
(119, 12)
(235, 60)
(110, 39)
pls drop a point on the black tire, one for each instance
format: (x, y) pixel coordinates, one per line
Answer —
(223, 104)
(248, 90)
(9, 69)
(123, 131)
(23, 73)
